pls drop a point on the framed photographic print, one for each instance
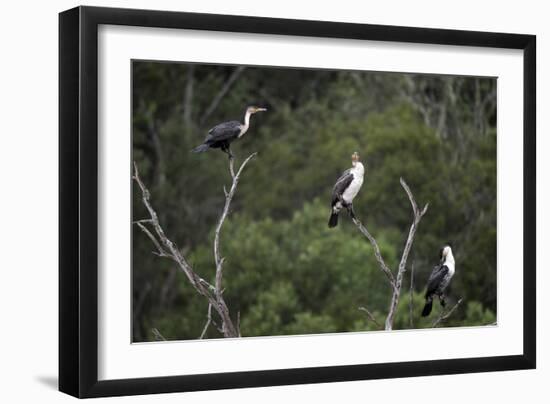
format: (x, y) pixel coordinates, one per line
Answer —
(251, 201)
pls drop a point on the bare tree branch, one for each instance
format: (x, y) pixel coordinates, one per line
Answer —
(383, 267)
(214, 294)
(402, 264)
(208, 321)
(370, 316)
(395, 281)
(214, 104)
(157, 334)
(172, 252)
(217, 257)
(160, 251)
(445, 315)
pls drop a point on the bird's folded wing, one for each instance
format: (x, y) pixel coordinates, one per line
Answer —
(438, 274)
(224, 131)
(342, 183)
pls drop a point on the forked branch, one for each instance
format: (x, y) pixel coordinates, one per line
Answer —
(166, 248)
(396, 281)
(445, 315)
(417, 216)
(370, 316)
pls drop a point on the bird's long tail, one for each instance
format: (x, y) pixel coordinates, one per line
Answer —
(333, 221)
(201, 148)
(427, 308)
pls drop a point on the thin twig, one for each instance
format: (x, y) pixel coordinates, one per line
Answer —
(160, 251)
(383, 267)
(370, 316)
(208, 321)
(142, 221)
(157, 334)
(445, 315)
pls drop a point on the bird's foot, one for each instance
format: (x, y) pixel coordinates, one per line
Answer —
(230, 155)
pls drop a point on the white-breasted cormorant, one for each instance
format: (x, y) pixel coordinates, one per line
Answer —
(345, 189)
(221, 135)
(439, 279)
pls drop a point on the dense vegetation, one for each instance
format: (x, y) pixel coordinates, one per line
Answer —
(286, 272)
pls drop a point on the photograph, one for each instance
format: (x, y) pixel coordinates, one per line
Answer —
(281, 201)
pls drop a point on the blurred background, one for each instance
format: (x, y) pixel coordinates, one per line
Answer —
(285, 271)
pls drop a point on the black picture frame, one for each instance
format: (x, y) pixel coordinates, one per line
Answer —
(78, 201)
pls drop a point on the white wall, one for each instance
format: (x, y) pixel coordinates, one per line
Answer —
(28, 197)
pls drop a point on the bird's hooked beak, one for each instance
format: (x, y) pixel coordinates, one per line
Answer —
(260, 110)
(444, 252)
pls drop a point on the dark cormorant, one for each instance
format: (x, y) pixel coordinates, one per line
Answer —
(439, 279)
(221, 136)
(345, 189)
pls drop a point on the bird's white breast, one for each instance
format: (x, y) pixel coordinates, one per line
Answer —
(353, 189)
(450, 262)
(451, 266)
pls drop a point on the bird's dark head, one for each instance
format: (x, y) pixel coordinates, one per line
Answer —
(253, 109)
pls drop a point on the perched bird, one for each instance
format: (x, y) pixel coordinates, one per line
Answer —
(223, 134)
(345, 189)
(439, 279)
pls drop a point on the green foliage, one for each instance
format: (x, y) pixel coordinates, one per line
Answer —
(476, 315)
(285, 271)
